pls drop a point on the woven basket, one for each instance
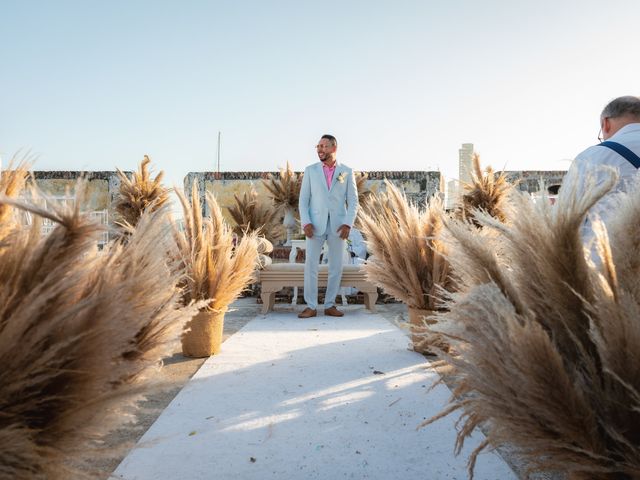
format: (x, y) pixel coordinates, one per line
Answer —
(203, 335)
(419, 320)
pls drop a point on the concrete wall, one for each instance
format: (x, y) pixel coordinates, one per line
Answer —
(226, 186)
(530, 180)
(103, 187)
(418, 185)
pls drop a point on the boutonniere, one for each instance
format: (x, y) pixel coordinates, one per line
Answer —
(341, 177)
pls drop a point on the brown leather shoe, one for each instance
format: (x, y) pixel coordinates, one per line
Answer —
(333, 312)
(307, 313)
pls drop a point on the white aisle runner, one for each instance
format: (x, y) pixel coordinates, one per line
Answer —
(325, 398)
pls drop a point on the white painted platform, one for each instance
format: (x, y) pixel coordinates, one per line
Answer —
(302, 399)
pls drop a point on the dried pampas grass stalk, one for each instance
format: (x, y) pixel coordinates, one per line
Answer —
(623, 239)
(408, 260)
(12, 182)
(364, 193)
(285, 189)
(252, 215)
(486, 191)
(217, 270)
(81, 331)
(139, 194)
(365, 196)
(546, 340)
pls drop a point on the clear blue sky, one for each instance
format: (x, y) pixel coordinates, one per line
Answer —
(96, 84)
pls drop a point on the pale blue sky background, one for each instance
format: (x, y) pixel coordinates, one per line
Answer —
(97, 84)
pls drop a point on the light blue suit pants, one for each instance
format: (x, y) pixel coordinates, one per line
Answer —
(312, 263)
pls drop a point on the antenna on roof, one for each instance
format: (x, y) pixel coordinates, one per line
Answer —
(219, 136)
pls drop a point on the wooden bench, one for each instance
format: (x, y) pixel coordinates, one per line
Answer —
(276, 276)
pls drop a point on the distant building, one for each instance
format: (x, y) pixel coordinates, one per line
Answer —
(452, 195)
(465, 159)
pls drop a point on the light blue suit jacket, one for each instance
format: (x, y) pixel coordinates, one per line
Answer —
(318, 202)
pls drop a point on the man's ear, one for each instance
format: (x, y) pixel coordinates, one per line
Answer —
(606, 125)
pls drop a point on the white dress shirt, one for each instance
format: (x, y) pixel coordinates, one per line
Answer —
(590, 161)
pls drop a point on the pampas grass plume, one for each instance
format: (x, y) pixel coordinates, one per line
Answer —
(81, 333)
(217, 270)
(284, 189)
(251, 214)
(140, 193)
(408, 260)
(487, 192)
(12, 182)
(546, 338)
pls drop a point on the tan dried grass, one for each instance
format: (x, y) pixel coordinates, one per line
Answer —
(408, 260)
(139, 194)
(364, 196)
(284, 189)
(12, 182)
(218, 268)
(252, 215)
(547, 340)
(81, 333)
(364, 193)
(487, 191)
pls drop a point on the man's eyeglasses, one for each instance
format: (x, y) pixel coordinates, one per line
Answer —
(600, 135)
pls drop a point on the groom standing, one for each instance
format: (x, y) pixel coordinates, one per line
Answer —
(328, 206)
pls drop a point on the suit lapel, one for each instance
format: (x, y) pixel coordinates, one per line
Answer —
(322, 178)
(336, 174)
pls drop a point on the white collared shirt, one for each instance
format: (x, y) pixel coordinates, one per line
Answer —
(590, 161)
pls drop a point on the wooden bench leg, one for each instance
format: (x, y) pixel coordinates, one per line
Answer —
(370, 300)
(272, 300)
(265, 301)
(268, 300)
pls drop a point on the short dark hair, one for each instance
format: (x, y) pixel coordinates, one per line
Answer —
(331, 138)
(621, 107)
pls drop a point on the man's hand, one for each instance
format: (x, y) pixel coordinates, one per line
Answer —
(343, 231)
(308, 230)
